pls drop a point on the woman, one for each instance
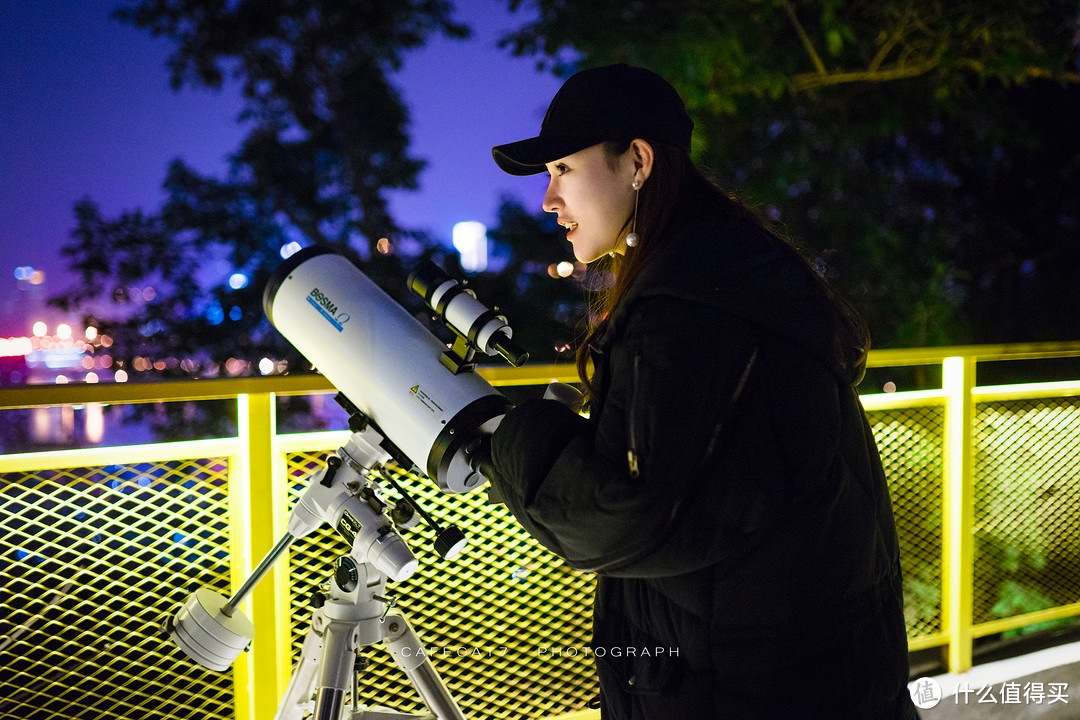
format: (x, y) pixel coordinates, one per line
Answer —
(726, 487)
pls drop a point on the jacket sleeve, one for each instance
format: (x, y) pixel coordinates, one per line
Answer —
(604, 493)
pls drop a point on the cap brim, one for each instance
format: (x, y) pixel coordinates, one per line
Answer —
(528, 157)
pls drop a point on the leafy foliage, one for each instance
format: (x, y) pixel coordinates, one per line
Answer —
(916, 150)
(148, 285)
(329, 130)
(718, 52)
(921, 153)
(180, 290)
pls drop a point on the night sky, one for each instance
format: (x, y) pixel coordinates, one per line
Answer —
(86, 111)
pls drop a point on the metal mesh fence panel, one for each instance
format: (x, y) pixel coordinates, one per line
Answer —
(505, 624)
(91, 560)
(911, 442)
(1027, 500)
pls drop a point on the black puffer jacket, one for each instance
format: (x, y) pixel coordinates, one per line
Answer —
(728, 493)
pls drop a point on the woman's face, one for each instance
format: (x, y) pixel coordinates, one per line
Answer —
(592, 196)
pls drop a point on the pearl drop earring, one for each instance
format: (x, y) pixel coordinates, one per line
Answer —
(632, 238)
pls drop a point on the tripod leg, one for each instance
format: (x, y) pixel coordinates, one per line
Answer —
(336, 673)
(296, 703)
(409, 655)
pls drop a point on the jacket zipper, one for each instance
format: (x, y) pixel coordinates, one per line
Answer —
(632, 445)
(709, 450)
(718, 428)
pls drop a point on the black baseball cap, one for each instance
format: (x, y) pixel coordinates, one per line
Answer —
(616, 102)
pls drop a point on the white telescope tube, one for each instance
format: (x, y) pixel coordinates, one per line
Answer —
(385, 362)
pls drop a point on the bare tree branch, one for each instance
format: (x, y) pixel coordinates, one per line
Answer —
(891, 42)
(814, 57)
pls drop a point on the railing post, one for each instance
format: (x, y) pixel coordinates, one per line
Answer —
(958, 508)
(257, 498)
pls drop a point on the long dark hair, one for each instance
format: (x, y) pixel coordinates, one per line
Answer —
(677, 185)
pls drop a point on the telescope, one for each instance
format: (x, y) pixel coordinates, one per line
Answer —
(412, 399)
(392, 368)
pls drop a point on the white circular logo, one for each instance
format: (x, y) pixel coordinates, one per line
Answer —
(925, 693)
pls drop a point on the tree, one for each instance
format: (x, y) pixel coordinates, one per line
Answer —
(328, 137)
(147, 281)
(329, 133)
(880, 135)
(719, 52)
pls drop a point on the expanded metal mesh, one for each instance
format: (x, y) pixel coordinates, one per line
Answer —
(505, 624)
(1027, 501)
(911, 442)
(91, 560)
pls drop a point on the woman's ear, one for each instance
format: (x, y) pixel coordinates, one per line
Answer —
(642, 153)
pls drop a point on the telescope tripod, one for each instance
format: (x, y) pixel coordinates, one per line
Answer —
(356, 614)
(213, 631)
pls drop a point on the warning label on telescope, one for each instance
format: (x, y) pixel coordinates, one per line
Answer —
(423, 397)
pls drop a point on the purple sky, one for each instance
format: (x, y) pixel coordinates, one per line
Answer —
(86, 111)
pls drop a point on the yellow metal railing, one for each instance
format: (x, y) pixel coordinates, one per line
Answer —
(958, 398)
(955, 498)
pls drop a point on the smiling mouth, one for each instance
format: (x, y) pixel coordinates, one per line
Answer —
(570, 226)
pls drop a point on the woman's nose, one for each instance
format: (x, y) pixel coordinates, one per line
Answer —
(552, 204)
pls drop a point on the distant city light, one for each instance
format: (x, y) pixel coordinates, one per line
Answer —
(120, 376)
(383, 246)
(91, 332)
(56, 356)
(238, 280)
(40, 329)
(565, 269)
(16, 347)
(266, 366)
(91, 377)
(234, 367)
(27, 273)
(235, 313)
(215, 315)
(95, 422)
(63, 331)
(151, 328)
(470, 240)
(289, 249)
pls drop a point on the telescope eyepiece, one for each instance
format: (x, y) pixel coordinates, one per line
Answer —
(510, 350)
(459, 308)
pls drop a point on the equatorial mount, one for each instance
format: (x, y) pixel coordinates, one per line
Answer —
(403, 406)
(213, 631)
